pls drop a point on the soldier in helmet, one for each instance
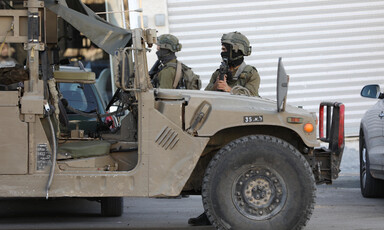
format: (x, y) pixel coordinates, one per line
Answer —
(234, 46)
(233, 73)
(168, 72)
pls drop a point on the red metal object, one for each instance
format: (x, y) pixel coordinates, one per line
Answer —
(321, 121)
(341, 125)
(333, 132)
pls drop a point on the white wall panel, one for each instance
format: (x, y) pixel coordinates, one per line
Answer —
(330, 48)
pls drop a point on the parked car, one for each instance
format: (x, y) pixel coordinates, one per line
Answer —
(371, 148)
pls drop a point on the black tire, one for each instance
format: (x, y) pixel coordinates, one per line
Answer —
(259, 182)
(112, 206)
(370, 187)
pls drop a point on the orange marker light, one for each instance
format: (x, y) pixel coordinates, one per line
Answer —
(308, 127)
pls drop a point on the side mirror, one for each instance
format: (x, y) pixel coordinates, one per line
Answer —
(123, 68)
(282, 86)
(371, 91)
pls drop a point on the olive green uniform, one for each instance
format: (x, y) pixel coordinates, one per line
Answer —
(167, 45)
(249, 78)
(166, 76)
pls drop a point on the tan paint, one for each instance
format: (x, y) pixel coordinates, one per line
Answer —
(13, 26)
(14, 138)
(174, 128)
(229, 111)
(173, 153)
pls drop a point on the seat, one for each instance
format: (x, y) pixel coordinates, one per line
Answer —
(82, 149)
(103, 84)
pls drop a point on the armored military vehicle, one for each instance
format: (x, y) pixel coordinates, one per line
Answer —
(255, 161)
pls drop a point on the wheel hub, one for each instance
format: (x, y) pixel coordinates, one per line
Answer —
(259, 193)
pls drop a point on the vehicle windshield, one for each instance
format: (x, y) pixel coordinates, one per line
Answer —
(79, 96)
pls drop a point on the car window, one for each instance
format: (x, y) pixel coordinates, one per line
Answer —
(79, 96)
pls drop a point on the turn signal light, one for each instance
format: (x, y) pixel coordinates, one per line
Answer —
(308, 127)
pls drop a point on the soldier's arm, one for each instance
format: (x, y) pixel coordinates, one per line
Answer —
(253, 83)
(166, 78)
(211, 85)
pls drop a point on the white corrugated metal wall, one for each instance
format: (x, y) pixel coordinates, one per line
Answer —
(330, 48)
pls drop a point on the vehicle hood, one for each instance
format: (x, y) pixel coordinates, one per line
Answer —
(223, 110)
(227, 101)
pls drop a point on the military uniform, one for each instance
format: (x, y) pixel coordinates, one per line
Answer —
(166, 76)
(248, 78)
(234, 47)
(163, 73)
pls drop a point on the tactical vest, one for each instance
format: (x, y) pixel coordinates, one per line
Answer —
(185, 78)
(242, 76)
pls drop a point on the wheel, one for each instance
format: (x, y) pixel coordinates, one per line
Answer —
(370, 187)
(112, 206)
(258, 182)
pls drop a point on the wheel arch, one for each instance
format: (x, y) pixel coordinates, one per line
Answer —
(225, 136)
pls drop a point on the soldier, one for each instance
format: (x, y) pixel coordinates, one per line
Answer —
(233, 71)
(165, 74)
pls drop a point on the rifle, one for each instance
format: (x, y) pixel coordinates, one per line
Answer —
(155, 69)
(224, 69)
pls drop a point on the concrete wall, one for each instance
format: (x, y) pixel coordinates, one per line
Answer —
(150, 9)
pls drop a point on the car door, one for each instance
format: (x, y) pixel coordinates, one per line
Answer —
(373, 127)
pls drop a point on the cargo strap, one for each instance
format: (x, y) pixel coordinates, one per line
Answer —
(178, 75)
(239, 70)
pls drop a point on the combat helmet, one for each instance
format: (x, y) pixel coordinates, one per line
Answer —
(169, 42)
(238, 42)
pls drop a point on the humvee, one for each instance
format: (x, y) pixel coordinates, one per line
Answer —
(255, 161)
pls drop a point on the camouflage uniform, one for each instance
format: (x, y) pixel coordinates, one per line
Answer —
(249, 77)
(11, 75)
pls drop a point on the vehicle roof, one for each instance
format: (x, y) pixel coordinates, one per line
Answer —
(105, 35)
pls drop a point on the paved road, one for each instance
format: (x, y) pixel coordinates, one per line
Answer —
(339, 206)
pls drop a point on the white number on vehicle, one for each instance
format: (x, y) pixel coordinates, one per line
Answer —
(249, 119)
